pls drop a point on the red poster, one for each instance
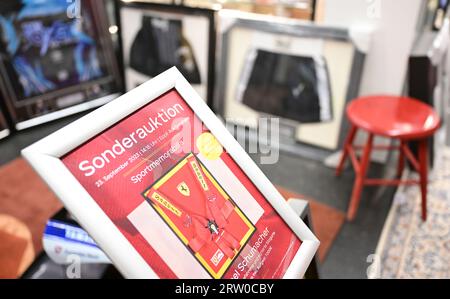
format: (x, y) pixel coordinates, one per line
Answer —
(180, 199)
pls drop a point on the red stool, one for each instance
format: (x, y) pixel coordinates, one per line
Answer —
(394, 117)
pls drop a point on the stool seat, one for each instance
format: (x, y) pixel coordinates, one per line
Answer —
(393, 116)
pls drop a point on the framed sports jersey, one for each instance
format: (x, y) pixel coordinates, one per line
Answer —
(165, 190)
(57, 58)
(299, 72)
(157, 36)
(4, 130)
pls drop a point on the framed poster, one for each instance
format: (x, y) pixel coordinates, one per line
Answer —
(57, 59)
(4, 129)
(164, 189)
(299, 72)
(290, 86)
(156, 37)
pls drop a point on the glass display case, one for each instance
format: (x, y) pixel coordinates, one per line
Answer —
(296, 71)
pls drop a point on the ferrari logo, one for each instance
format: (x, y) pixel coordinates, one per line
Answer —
(183, 189)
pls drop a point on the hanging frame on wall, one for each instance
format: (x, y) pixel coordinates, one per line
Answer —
(156, 36)
(56, 60)
(299, 72)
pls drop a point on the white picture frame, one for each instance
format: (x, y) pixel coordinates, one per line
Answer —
(45, 157)
(4, 129)
(343, 50)
(198, 27)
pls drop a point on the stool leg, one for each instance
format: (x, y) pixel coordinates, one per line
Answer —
(359, 181)
(401, 159)
(348, 142)
(423, 162)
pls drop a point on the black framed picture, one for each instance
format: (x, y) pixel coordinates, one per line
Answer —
(57, 59)
(156, 37)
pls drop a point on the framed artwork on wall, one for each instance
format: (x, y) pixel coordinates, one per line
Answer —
(56, 59)
(158, 36)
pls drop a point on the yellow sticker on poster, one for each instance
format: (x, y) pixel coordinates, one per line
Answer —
(209, 147)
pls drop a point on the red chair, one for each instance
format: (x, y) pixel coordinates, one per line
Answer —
(400, 118)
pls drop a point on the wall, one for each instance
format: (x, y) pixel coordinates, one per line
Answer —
(394, 30)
